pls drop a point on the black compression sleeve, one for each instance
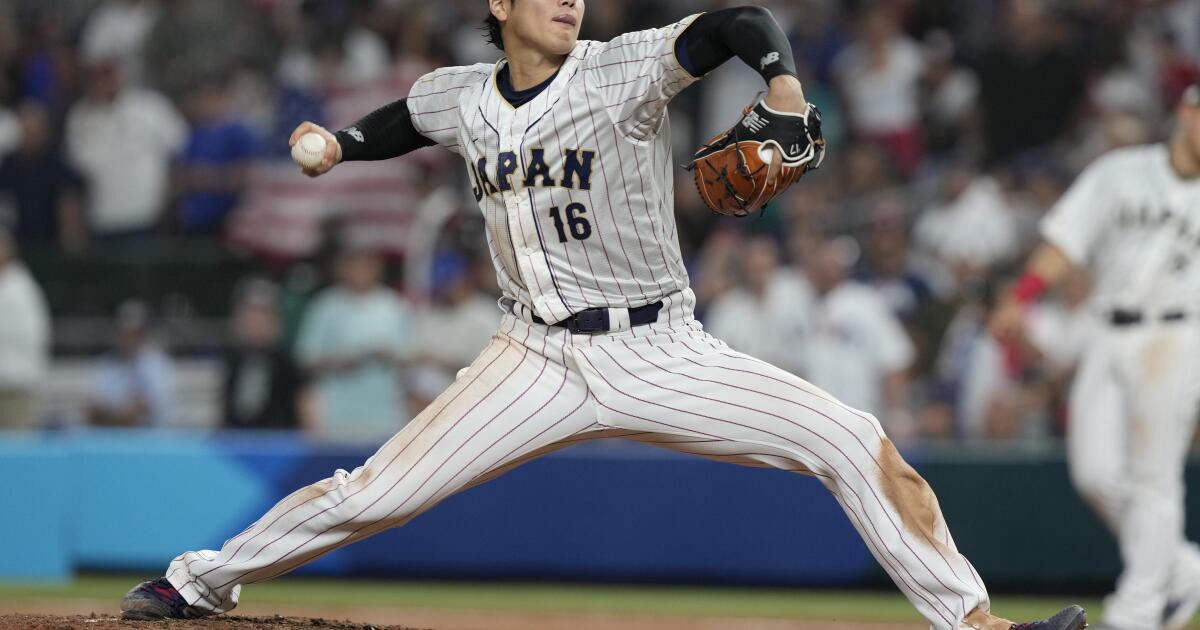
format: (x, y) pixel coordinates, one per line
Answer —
(749, 33)
(385, 133)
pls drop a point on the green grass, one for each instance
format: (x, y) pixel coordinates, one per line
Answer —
(786, 603)
(645, 600)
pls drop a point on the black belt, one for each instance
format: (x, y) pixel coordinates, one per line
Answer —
(596, 320)
(1125, 317)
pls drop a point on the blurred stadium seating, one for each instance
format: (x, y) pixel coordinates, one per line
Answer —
(946, 148)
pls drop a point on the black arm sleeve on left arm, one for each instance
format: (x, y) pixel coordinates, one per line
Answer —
(749, 33)
(385, 133)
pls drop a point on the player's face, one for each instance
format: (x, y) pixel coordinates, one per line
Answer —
(548, 26)
(256, 325)
(360, 271)
(828, 266)
(762, 256)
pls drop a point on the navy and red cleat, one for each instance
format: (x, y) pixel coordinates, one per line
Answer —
(157, 599)
(1069, 618)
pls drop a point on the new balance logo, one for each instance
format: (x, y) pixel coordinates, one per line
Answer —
(769, 59)
(355, 133)
(754, 122)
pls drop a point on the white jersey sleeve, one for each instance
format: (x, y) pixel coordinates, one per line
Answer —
(433, 102)
(1074, 225)
(637, 75)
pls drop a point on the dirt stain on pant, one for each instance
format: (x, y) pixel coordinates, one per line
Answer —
(912, 497)
(981, 620)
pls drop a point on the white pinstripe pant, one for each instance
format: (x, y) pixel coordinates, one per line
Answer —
(535, 389)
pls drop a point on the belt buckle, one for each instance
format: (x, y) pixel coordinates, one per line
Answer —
(1124, 317)
(589, 320)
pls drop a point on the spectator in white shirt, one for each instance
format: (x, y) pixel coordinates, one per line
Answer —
(24, 339)
(761, 314)
(950, 93)
(853, 346)
(122, 140)
(117, 30)
(972, 227)
(879, 77)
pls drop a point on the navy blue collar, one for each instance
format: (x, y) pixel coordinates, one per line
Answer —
(517, 98)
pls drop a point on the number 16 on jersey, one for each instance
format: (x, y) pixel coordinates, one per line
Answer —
(576, 223)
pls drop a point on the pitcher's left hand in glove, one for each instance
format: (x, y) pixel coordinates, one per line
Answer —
(742, 169)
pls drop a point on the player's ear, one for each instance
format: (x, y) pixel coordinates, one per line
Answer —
(499, 9)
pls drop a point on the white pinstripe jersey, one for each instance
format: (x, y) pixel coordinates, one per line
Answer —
(1134, 224)
(576, 185)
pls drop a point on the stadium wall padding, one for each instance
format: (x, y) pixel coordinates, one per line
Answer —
(608, 511)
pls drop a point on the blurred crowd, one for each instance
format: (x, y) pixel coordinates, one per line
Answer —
(953, 125)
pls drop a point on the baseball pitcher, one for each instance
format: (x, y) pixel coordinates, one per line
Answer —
(567, 145)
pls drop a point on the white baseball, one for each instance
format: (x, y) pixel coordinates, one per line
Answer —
(309, 150)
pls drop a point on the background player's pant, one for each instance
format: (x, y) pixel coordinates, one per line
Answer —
(1133, 411)
(535, 389)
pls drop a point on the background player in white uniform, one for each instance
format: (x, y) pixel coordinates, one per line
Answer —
(1132, 220)
(568, 146)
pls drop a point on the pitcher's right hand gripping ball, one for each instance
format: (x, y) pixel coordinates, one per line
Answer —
(742, 169)
(313, 157)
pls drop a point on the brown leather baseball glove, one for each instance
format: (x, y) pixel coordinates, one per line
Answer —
(742, 169)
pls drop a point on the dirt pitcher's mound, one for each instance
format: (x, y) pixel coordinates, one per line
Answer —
(104, 622)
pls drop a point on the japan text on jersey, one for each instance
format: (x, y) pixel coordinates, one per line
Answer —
(1134, 224)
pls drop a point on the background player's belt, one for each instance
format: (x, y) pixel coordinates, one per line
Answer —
(1128, 317)
(596, 320)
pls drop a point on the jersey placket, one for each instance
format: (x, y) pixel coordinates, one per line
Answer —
(519, 204)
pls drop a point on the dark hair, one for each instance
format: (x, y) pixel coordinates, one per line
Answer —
(492, 27)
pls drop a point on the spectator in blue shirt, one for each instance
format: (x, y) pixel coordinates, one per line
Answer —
(354, 344)
(215, 163)
(134, 384)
